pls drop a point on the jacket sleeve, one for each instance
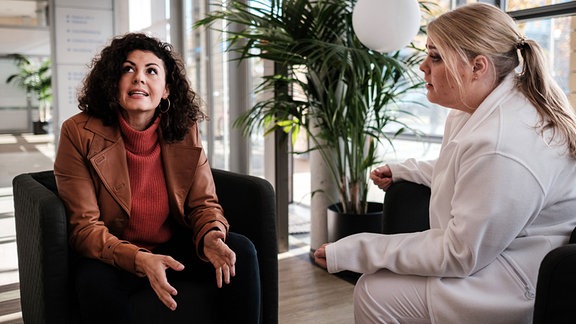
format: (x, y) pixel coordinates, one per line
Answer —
(205, 212)
(88, 234)
(202, 211)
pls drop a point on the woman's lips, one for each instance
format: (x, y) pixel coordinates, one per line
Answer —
(138, 93)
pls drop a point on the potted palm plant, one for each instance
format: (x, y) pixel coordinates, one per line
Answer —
(35, 78)
(342, 94)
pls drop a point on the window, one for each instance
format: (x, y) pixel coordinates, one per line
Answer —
(554, 35)
(150, 16)
(552, 26)
(211, 70)
(512, 5)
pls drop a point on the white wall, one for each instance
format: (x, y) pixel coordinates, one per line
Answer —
(14, 115)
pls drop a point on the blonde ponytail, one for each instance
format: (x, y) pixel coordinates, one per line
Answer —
(537, 84)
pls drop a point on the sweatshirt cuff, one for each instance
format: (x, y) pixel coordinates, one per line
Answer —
(331, 259)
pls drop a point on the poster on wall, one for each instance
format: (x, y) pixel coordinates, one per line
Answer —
(81, 29)
(69, 79)
(81, 33)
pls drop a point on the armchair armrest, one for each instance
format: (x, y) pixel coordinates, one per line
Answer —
(556, 286)
(406, 208)
(41, 233)
(250, 208)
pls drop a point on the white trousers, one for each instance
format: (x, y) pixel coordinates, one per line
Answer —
(387, 297)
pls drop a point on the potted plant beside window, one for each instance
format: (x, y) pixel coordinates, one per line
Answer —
(341, 93)
(35, 78)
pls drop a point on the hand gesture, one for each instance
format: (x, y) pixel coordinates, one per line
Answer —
(320, 256)
(153, 266)
(382, 177)
(220, 255)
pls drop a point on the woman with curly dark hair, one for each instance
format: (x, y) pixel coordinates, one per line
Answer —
(140, 197)
(99, 96)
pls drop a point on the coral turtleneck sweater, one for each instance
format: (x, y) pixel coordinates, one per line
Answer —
(149, 223)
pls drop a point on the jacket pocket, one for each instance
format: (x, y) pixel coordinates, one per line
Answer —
(518, 275)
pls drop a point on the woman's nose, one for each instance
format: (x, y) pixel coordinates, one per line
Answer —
(138, 78)
(423, 66)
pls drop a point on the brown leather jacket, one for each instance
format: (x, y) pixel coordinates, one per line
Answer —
(92, 177)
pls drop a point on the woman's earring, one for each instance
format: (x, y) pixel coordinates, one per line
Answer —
(165, 110)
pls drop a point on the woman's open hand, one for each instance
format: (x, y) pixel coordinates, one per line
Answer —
(153, 266)
(221, 256)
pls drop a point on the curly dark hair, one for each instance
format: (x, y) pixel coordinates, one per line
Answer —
(98, 96)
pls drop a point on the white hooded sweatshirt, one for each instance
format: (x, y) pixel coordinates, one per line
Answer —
(503, 195)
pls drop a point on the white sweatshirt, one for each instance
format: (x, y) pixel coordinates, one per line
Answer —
(502, 197)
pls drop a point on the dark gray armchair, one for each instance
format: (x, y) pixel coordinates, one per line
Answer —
(43, 251)
(406, 210)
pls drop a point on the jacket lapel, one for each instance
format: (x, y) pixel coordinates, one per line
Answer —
(180, 163)
(108, 157)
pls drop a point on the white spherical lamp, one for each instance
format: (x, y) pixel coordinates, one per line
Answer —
(386, 25)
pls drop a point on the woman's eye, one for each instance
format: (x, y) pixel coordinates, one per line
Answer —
(435, 57)
(152, 71)
(127, 68)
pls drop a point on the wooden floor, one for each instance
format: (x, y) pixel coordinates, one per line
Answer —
(308, 294)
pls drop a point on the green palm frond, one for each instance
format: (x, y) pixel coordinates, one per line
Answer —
(32, 77)
(349, 92)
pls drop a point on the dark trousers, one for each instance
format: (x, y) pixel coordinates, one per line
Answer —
(110, 295)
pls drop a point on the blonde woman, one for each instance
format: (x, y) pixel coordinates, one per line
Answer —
(503, 189)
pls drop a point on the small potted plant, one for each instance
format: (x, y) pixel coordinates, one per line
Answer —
(36, 79)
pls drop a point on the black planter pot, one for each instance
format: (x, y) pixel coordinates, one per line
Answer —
(341, 225)
(40, 127)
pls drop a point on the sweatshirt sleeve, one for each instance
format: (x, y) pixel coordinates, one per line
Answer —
(488, 211)
(413, 170)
